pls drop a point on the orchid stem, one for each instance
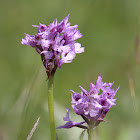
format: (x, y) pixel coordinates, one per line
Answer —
(90, 133)
(51, 108)
(91, 130)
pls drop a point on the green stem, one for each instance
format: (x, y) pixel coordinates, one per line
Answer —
(51, 108)
(91, 130)
(90, 133)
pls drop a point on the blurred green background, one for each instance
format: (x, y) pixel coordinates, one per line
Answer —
(110, 29)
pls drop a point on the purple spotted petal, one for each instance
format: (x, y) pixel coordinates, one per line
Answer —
(68, 57)
(78, 48)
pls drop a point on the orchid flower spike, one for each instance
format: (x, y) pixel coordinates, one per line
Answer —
(92, 105)
(56, 43)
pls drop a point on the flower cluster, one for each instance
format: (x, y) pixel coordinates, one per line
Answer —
(55, 43)
(93, 105)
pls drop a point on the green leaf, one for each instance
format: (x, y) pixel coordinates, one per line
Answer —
(82, 135)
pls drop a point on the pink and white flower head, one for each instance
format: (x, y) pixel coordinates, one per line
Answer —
(56, 43)
(94, 104)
